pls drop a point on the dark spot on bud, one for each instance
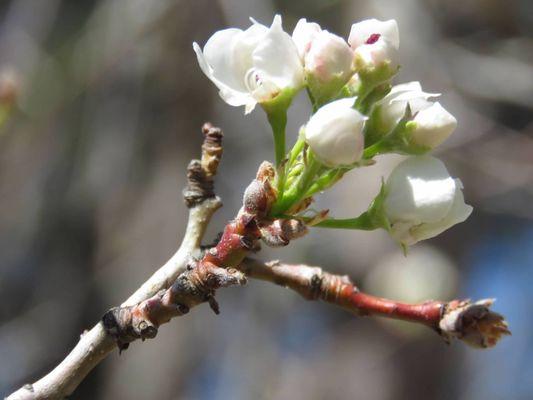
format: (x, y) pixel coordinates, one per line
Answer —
(373, 38)
(182, 308)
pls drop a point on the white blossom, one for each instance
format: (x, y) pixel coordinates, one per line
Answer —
(335, 133)
(423, 200)
(251, 66)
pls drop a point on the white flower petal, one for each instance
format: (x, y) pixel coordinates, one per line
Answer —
(433, 126)
(218, 55)
(361, 32)
(276, 59)
(241, 56)
(393, 105)
(303, 34)
(229, 94)
(406, 87)
(377, 53)
(420, 190)
(458, 213)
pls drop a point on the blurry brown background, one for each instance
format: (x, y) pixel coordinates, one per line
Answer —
(92, 165)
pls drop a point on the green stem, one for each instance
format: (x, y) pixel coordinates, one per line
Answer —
(277, 117)
(372, 150)
(312, 99)
(363, 222)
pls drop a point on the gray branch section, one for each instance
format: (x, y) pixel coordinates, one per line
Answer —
(95, 344)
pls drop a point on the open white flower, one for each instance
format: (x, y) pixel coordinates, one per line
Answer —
(375, 42)
(251, 66)
(423, 200)
(433, 123)
(335, 133)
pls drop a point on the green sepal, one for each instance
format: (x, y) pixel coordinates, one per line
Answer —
(397, 141)
(321, 93)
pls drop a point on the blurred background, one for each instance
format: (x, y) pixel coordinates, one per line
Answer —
(106, 102)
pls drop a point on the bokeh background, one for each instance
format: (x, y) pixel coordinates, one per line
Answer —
(92, 162)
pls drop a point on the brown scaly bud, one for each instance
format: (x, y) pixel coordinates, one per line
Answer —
(260, 195)
(211, 148)
(200, 173)
(280, 232)
(473, 323)
(266, 172)
(255, 200)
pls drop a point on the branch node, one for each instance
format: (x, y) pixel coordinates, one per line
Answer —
(211, 148)
(28, 387)
(200, 173)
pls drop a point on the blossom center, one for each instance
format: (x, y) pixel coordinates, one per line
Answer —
(252, 80)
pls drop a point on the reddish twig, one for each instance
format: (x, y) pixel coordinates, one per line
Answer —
(474, 323)
(214, 270)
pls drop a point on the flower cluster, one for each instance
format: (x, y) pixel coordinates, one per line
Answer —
(357, 114)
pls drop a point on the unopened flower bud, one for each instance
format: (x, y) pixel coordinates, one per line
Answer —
(328, 65)
(422, 200)
(378, 53)
(303, 35)
(329, 58)
(335, 133)
(433, 126)
(432, 123)
(375, 43)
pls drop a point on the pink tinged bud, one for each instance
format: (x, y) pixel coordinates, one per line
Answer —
(335, 133)
(376, 52)
(328, 58)
(303, 35)
(371, 30)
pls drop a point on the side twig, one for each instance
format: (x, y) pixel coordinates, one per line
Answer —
(474, 323)
(96, 344)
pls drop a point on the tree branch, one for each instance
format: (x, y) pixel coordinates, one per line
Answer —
(190, 278)
(214, 270)
(473, 323)
(96, 344)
